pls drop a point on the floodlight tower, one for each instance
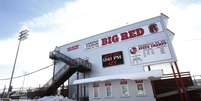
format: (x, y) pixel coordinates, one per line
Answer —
(22, 36)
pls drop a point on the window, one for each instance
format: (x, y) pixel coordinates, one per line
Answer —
(108, 88)
(124, 88)
(96, 90)
(140, 88)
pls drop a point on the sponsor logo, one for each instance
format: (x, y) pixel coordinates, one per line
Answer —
(93, 44)
(153, 28)
(150, 52)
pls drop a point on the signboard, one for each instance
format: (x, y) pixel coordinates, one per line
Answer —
(112, 59)
(125, 35)
(148, 53)
(73, 48)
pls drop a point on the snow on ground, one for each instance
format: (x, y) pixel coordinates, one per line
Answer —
(54, 98)
(46, 98)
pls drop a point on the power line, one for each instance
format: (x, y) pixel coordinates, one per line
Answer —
(28, 73)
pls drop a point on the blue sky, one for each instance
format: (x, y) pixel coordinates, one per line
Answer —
(57, 22)
(14, 12)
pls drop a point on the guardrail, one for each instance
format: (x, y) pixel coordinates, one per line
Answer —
(170, 76)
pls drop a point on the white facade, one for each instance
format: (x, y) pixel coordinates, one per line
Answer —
(123, 51)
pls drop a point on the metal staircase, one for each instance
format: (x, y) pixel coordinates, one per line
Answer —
(79, 64)
(72, 65)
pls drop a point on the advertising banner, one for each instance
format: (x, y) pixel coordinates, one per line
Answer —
(151, 52)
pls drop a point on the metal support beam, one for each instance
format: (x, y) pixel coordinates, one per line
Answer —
(177, 83)
(182, 83)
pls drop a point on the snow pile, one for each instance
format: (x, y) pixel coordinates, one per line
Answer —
(54, 98)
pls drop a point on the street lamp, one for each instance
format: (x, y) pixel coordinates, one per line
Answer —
(22, 36)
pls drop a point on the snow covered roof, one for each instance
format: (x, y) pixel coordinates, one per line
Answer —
(131, 76)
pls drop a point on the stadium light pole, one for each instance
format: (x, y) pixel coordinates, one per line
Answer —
(22, 36)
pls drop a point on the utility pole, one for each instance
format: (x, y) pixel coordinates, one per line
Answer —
(23, 82)
(22, 36)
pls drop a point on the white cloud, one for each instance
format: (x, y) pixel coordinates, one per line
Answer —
(185, 24)
(84, 18)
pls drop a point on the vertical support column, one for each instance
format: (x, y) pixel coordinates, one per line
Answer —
(84, 86)
(181, 82)
(177, 83)
(69, 89)
(77, 87)
(54, 63)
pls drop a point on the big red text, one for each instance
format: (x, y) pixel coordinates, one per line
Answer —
(122, 36)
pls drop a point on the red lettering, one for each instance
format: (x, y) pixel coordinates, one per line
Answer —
(132, 33)
(112, 63)
(136, 32)
(109, 40)
(123, 81)
(73, 48)
(139, 81)
(140, 31)
(115, 38)
(124, 36)
(104, 41)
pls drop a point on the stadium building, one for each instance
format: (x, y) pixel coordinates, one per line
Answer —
(117, 62)
(118, 65)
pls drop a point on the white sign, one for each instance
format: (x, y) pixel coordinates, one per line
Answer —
(151, 52)
(130, 33)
